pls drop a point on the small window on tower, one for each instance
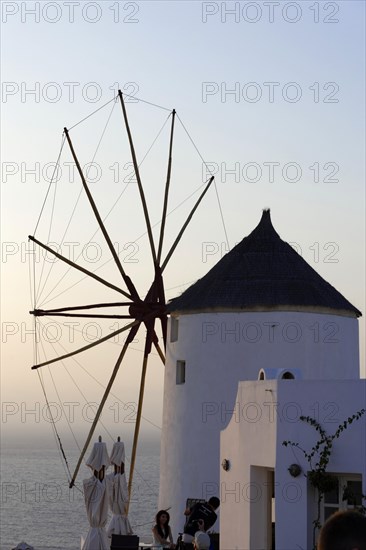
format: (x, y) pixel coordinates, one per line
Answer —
(181, 372)
(174, 322)
(288, 376)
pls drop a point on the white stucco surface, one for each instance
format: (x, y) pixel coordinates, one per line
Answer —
(253, 445)
(220, 349)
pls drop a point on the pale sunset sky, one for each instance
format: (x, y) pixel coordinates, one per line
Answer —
(272, 94)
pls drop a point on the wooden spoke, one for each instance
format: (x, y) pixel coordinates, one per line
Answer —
(86, 315)
(161, 295)
(104, 398)
(79, 268)
(138, 178)
(73, 308)
(127, 280)
(164, 328)
(185, 225)
(145, 311)
(160, 352)
(138, 422)
(80, 350)
(156, 290)
(166, 196)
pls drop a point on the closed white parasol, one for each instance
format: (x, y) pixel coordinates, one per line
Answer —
(96, 500)
(118, 493)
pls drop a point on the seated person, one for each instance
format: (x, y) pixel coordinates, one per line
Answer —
(200, 518)
(162, 534)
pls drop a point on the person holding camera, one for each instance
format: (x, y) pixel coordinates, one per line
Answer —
(200, 518)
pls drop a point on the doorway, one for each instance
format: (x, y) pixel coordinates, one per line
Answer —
(262, 508)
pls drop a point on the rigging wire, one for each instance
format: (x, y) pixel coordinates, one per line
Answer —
(59, 398)
(58, 439)
(98, 229)
(91, 376)
(39, 218)
(143, 479)
(111, 341)
(31, 266)
(81, 393)
(208, 169)
(107, 215)
(175, 208)
(63, 141)
(148, 102)
(75, 206)
(155, 224)
(51, 181)
(135, 240)
(48, 240)
(180, 286)
(53, 422)
(115, 98)
(59, 445)
(222, 215)
(93, 113)
(194, 145)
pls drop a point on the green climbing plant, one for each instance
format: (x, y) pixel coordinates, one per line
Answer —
(318, 459)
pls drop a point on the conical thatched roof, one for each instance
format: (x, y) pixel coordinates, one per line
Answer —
(262, 273)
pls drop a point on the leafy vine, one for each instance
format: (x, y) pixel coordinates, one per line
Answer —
(317, 475)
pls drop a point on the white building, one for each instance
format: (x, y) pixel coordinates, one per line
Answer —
(261, 307)
(257, 490)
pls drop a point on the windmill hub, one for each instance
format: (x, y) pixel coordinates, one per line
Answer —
(145, 309)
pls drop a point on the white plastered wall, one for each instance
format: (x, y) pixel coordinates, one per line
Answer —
(250, 446)
(220, 349)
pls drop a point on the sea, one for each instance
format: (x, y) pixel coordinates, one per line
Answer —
(38, 507)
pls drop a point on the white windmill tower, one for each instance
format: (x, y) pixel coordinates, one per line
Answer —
(260, 312)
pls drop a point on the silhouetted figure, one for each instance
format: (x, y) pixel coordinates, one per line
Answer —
(343, 531)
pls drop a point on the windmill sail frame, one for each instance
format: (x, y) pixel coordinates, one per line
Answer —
(140, 311)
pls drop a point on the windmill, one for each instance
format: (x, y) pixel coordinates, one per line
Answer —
(141, 312)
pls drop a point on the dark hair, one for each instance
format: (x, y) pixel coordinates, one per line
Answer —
(215, 502)
(343, 531)
(163, 531)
